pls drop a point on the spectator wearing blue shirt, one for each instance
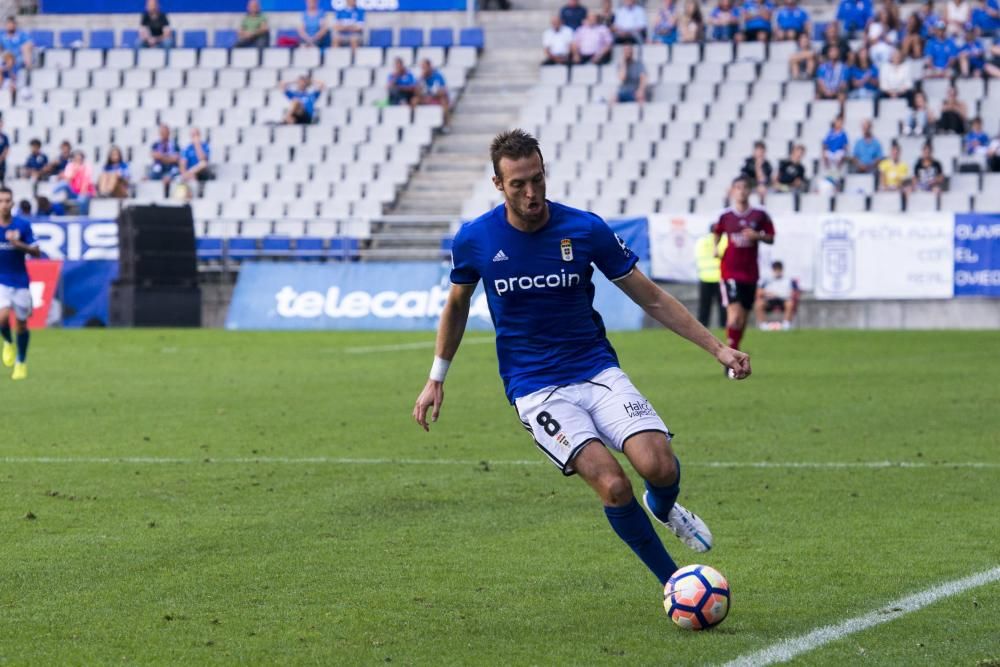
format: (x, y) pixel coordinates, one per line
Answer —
(402, 84)
(831, 77)
(433, 88)
(971, 54)
(196, 162)
(58, 165)
(928, 18)
(9, 74)
(854, 15)
(791, 21)
(315, 29)
(665, 31)
(34, 165)
(867, 151)
(166, 156)
(757, 20)
(976, 142)
(572, 14)
(862, 79)
(940, 54)
(349, 25)
(725, 21)
(114, 178)
(986, 17)
(18, 42)
(834, 153)
(303, 97)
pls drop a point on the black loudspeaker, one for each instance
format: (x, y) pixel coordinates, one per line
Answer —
(157, 282)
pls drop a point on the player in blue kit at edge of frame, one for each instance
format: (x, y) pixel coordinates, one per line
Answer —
(559, 370)
(16, 241)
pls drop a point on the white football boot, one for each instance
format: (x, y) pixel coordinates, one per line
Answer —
(686, 525)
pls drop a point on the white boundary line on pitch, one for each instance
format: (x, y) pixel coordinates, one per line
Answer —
(347, 461)
(790, 648)
(366, 349)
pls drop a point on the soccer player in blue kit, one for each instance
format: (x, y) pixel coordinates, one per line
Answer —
(559, 370)
(16, 241)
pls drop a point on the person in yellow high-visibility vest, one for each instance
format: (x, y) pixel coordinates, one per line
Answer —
(709, 275)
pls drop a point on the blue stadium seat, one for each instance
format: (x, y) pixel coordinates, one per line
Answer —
(209, 249)
(225, 39)
(309, 247)
(380, 37)
(195, 39)
(472, 37)
(343, 248)
(276, 246)
(443, 37)
(43, 39)
(412, 37)
(69, 39)
(130, 39)
(241, 249)
(102, 39)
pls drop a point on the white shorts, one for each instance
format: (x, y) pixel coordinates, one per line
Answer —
(17, 298)
(607, 407)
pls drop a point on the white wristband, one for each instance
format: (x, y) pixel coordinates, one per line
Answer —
(439, 369)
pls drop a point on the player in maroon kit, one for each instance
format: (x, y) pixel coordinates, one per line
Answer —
(744, 226)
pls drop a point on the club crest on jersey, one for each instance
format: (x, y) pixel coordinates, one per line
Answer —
(566, 246)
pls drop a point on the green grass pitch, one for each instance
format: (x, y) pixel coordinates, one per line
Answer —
(471, 548)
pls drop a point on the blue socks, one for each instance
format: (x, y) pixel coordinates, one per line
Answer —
(634, 527)
(5, 333)
(661, 499)
(22, 347)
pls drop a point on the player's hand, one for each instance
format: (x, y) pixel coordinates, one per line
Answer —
(736, 361)
(751, 235)
(12, 235)
(431, 397)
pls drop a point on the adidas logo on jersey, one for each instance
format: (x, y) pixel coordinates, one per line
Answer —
(501, 256)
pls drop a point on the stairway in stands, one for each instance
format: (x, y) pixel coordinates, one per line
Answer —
(433, 198)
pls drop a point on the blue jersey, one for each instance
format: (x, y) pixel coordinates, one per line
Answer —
(13, 272)
(792, 18)
(307, 98)
(347, 16)
(540, 293)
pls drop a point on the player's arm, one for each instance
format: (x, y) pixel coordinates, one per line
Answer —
(13, 237)
(454, 317)
(672, 314)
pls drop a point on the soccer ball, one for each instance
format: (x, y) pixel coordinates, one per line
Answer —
(696, 597)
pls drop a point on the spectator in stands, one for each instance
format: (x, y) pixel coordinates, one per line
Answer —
(802, 63)
(254, 30)
(791, 21)
(876, 27)
(913, 39)
(557, 43)
(834, 155)
(921, 119)
(196, 162)
(725, 21)
(8, 74)
(114, 178)
(606, 14)
(992, 68)
(24, 206)
(4, 150)
(631, 78)
(667, 20)
(833, 37)
(757, 20)
(954, 113)
(862, 78)
(757, 170)
(928, 18)
(854, 15)
(34, 165)
(880, 50)
(166, 158)
(928, 176)
(572, 14)
(691, 24)
(303, 97)
(433, 89)
(776, 293)
(867, 152)
(971, 54)
(314, 29)
(154, 27)
(56, 167)
(976, 143)
(592, 42)
(892, 20)
(993, 154)
(630, 23)
(402, 84)
(792, 173)
(349, 25)
(831, 77)
(76, 183)
(940, 54)
(895, 79)
(957, 13)
(986, 17)
(16, 41)
(893, 173)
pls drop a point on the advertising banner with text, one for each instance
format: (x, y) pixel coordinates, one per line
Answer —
(977, 255)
